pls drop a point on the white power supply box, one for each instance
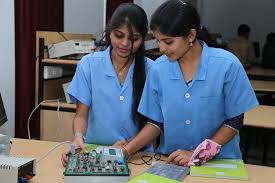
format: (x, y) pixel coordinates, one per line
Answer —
(71, 47)
(13, 169)
(52, 72)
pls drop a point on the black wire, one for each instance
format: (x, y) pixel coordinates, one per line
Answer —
(156, 156)
(147, 162)
(144, 160)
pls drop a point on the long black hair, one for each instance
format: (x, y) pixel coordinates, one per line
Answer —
(175, 18)
(133, 16)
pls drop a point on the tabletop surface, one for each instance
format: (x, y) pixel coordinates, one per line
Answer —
(259, 71)
(261, 116)
(51, 170)
(263, 86)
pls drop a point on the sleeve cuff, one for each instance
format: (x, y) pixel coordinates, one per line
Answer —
(156, 124)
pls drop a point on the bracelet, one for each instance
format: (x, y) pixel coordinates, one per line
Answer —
(125, 151)
(79, 134)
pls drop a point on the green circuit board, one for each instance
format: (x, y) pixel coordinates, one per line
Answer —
(94, 163)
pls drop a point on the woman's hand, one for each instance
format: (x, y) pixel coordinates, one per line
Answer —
(79, 145)
(179, 157)
(119, 144)
(64, 157)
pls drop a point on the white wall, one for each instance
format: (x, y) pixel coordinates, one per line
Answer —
(225, 16)
(84, 16)
(149, 6)
(7, 64)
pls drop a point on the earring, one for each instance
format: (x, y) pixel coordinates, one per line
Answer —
(191, 44)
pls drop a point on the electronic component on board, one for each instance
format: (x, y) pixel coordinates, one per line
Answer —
(105, 164)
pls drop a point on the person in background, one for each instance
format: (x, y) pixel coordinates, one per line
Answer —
(195, 96)
(242, 47)
(269, 52)
(107, 85)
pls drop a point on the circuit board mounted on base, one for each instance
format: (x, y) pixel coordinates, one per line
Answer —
(105, 164)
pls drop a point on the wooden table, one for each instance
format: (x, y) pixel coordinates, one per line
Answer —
(261, 117)
(257, 72)
(50, 169)
(261, 86)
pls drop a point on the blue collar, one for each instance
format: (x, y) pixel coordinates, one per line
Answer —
(175, 72)
(108, 65)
